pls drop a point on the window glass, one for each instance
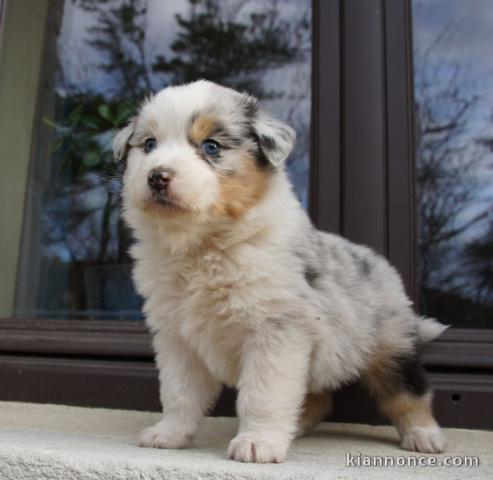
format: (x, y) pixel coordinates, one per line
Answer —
(66, 256)
(453, 73)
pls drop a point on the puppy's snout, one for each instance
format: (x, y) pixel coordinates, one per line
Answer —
(159, 179)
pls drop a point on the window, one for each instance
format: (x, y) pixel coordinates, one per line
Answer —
(68, 257)
(452, 114)
(454, 174)
(368, 87)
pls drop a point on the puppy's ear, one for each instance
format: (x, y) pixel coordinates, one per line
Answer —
(120, 142)
(275, 139)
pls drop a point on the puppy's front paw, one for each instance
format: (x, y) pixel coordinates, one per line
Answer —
(257, 447)
(424, 440)
(163, 435)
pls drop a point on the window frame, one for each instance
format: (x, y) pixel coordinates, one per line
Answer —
(361, 186)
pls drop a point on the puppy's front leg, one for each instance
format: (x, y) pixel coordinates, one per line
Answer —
(271, 390)
(187, 390)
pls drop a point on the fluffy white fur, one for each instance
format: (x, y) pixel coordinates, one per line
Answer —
(260, 301)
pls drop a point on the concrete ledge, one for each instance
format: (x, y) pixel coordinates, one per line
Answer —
(58, 442)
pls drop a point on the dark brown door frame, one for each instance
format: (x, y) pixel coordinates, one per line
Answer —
(400, 151)
(362, 174)
(326, 128)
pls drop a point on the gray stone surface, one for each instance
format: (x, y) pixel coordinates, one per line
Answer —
(57, 442)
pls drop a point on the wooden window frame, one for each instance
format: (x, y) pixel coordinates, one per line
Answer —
(361, 186)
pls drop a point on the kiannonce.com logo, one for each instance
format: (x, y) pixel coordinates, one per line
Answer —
(359, 460)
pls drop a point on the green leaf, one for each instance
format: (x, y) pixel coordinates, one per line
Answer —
(75, 115)
(105, 112)
(57, 145)
(66, 158)
(91, 158)
(92, 123)
(50, 123)
(123, 114)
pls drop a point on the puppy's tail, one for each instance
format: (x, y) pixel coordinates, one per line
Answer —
(429, 329)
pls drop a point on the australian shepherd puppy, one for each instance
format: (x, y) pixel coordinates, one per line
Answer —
(240, 289)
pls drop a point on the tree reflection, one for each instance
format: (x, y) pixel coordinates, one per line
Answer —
(236, 43)
(455, 272)
(235, 52)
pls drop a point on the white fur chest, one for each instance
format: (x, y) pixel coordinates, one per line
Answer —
(210, 299)
(214, 318)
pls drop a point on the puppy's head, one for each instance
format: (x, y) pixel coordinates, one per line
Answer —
(200, 149)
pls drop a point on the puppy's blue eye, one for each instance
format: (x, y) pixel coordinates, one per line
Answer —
(210, 147)
(150, 144)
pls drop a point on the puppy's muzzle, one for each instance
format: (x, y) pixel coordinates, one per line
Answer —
(159, 179)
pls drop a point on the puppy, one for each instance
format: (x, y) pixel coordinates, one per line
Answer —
(240, 289)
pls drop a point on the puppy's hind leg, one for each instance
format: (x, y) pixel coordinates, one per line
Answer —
(315, 408)
(401, 389)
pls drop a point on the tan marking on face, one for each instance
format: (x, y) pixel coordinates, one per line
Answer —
(202, 127)
(241, 190)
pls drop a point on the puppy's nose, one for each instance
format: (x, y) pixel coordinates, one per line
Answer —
(159, 178)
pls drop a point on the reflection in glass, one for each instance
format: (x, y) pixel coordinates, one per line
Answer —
(453, 73)
(101, 57)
